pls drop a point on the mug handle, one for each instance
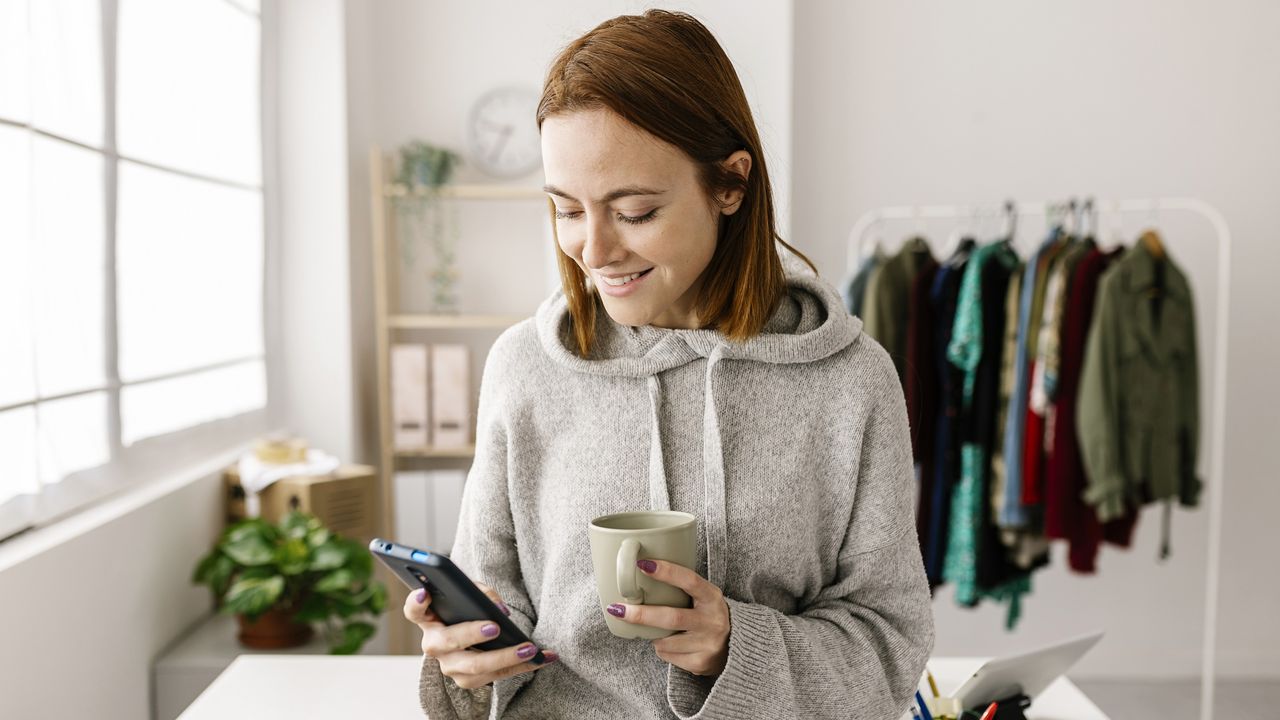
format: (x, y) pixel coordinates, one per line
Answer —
(628, 585)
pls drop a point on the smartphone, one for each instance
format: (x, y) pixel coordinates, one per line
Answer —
(454, 598)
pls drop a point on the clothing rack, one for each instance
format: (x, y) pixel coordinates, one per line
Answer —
(1217, 452)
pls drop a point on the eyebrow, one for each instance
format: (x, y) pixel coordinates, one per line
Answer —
(609, 196)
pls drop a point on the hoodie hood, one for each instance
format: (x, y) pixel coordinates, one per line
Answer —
(809, 324)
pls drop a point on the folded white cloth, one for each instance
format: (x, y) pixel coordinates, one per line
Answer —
(256, 476)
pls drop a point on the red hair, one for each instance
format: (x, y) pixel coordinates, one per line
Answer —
(665, 73)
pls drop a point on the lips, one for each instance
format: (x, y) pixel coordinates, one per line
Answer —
(612, 282)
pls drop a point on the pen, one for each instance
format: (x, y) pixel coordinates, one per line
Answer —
(924, 709)
(932, 685)
(990, 713)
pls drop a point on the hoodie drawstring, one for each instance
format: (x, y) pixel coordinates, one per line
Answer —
(714, 526)
(713, 479)
(658, 498)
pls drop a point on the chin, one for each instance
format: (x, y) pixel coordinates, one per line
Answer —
(626, 316)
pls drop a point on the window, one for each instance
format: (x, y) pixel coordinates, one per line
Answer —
(131, 244)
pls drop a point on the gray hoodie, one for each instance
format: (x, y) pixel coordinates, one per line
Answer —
(793, 451)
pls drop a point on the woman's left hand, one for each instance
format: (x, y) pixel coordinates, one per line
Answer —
(701, 643)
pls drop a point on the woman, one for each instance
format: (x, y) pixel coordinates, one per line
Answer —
(681, 367)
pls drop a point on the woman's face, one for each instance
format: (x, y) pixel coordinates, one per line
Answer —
(629, 203)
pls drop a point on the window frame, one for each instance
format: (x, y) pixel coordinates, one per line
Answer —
(155, 458)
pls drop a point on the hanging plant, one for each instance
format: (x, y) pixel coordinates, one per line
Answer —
(423, 219)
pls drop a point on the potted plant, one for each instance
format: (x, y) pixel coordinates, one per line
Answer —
(424, 220)
(280, 578)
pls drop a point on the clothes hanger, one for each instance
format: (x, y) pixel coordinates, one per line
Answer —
(1150, 239)
(1091, 215)
(1054, 216)
(1011, 217)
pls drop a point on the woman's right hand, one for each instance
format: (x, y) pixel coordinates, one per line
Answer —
(449, 644)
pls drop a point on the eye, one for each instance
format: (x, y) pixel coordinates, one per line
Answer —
(567, 215)
(639, 219)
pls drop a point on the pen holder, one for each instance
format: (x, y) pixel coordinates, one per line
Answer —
(1009, 708)
(944, 708)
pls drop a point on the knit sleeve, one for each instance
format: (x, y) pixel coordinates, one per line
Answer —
(484, 548)
(858, 650)
(1098, 411)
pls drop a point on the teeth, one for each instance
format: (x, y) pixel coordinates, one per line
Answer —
(622, 280)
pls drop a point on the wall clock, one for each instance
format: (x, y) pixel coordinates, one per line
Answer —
(504, 140)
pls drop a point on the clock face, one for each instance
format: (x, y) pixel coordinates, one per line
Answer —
(504, 132)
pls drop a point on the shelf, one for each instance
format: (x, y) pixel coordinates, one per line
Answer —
(468, 192)
(453, 321)
(429, 451)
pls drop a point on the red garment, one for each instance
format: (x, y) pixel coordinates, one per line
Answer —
(1032, 451)
(1066, 515)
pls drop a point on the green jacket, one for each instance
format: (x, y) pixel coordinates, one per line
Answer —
(1138, 405)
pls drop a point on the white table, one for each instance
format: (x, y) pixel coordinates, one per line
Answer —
(316, 687)
(194, 661)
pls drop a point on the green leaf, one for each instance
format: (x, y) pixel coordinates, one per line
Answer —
(359, 560)
(315, 608)
(254, 596)
(249, 528)
(378, 602)
(354, 635)
(260, 572)
(297, 524)
(336, 581)
(318, 537)
(220, 575)
(200, 576)
(345, 607)
(291, 556)
(328, 557)
(249, 550)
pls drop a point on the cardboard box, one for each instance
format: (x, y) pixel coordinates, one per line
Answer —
(346, 502)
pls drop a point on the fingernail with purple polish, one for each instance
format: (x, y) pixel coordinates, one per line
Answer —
(490, 630)
(503, 607)
(421, 597)
(647, 565)
(527, 651)
(616, 610)
(550, 656)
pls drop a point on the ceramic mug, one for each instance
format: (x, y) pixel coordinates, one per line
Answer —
(618, 540)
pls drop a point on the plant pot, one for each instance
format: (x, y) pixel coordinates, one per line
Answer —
(273, 630)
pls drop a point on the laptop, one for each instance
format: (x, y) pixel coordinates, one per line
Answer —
(1027, 673)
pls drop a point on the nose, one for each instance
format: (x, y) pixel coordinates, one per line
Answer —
(601, 247)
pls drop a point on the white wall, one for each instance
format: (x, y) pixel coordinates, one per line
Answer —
(88, 604)
(931, 102)
(314, 273)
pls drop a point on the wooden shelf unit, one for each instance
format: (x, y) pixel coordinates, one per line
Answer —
(389, 322)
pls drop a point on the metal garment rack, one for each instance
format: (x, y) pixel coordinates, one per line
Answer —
(1217, 455)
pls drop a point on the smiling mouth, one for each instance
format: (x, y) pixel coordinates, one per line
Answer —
(619, 282)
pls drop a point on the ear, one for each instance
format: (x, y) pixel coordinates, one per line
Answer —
(740, 163)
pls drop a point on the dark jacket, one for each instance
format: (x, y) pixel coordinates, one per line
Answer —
(1138, 408)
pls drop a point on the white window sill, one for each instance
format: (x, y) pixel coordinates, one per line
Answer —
(23, 547)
